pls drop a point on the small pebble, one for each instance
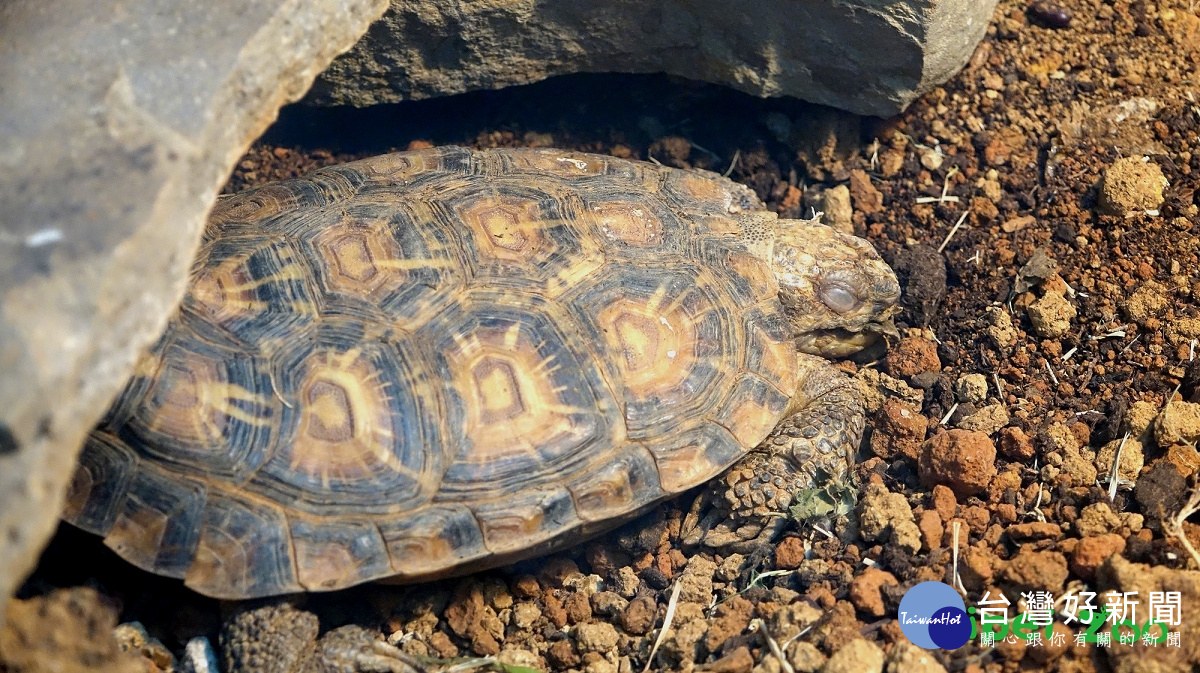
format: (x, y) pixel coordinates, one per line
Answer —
(1050, 15)
(1179, 423)
(596, 637)
(1132, 460)
(1015, 444)
(805, 657)
(987, 420)
(790, 553)
(906, 657)
(912, 356)
(132, 637)
(655, 578)
(1036, 570)
(865, 591)
(525, 614)
(887, 518)
(1131, 185)
(730, 568)
(899, 430)
(1051, 315)
(835, 203)
(865, 197)
(1092, 551)
(696, 581)
(971, 388)
(514, 656)
(857, 656)
(608, 603)
(961, 459)
(586, 584)
(639, 616)
(1000, 327)
(198, 657)
(627, 582)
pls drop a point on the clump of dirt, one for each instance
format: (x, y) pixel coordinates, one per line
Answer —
(1041, 210)
(64, 631)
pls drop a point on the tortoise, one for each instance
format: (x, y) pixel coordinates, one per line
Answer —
(432, 362)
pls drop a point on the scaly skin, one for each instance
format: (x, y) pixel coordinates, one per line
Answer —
(813, 448)
(278, 638)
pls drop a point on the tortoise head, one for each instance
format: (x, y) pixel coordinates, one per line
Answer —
(838, 294)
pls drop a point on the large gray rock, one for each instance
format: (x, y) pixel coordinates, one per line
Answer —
(120, 121)
(866, 56)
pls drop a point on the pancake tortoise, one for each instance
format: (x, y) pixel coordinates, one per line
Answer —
(432, 362)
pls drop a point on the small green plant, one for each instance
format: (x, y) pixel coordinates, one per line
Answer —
(829, 501)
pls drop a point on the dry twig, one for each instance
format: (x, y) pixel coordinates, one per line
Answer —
(1115, 476)
(953, 230)
(757, 624)
(667, 619)
(958, 584)
(737, 154)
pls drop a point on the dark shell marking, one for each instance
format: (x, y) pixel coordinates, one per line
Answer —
(435, 361)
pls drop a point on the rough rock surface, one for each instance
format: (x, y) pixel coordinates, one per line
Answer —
(961, 459)
(1131, 184)
(121, 121)
(866, 56)
(858, 656)
(887, 518)
(1117, 574)
(65, 631)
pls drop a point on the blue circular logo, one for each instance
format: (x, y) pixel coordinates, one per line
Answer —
(932, 615)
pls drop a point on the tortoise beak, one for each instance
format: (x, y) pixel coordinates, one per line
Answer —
(886, 329)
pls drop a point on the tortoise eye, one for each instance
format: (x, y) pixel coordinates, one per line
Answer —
(839, 297)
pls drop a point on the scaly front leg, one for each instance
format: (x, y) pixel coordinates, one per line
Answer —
(806, 460)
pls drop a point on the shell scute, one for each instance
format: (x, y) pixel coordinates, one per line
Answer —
(157, 524)
(386, 257)
(253, 285)
(624, 483)
(511, 525)
(199, 407)
(693, 455)
(769, 349)
(99, 484)
(740, 273)
(516, 235)
(525, 401)
(667, 336)
(412, 168)
(357, 419)
(637, 226)
(244, 548)
(337, 552)
(432, 539)
(700, 195)
(273, 209)
(550, 162)
(751, 409)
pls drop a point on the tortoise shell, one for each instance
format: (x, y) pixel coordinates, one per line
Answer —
(437, 361)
